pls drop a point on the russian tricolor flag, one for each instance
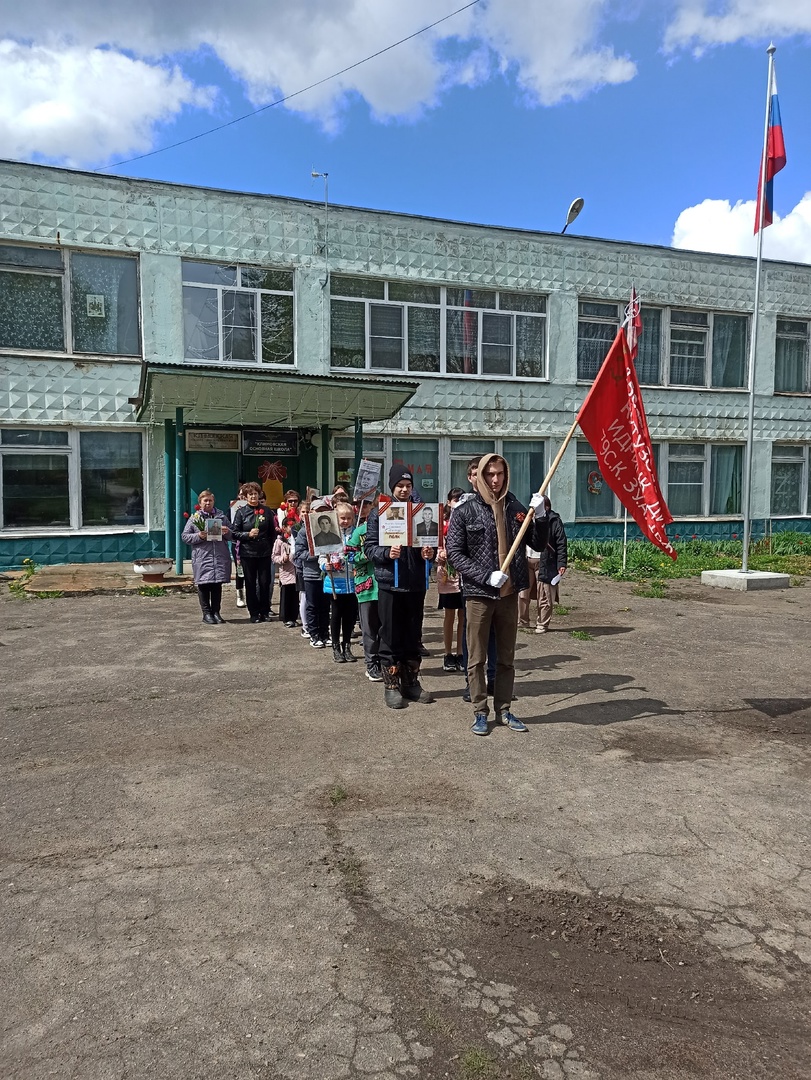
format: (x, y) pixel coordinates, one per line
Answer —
(775, 158)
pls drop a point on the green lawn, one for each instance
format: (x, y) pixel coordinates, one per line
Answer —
(785, 553)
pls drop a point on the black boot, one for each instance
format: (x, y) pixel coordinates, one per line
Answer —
(337, 655)
(205, 604)
(349, 656)
(391, 688)
(410, 683)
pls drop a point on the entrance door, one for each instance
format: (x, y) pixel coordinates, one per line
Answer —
(216, 471)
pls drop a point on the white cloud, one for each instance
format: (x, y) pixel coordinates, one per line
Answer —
(715, 225)
(275, 48)
(77, 104)
(696, 27)
(554, 52)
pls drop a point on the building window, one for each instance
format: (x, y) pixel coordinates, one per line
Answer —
(685, 479)
(58, 300)
(110, 478)
(343, 448)
(421, 458)
(69, 479)
(440, 464)
(398, 326)
(462, 450)
(703, 348)
(791, 357)
(594, 498)
(698, 480)
(238, 314)
(597, 327)
(791, 481)
(527, 462)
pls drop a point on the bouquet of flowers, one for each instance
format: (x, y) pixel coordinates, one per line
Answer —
(197, 518)
(335, 561)
(291, 518)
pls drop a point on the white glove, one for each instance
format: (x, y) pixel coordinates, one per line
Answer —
(497, 579)
(538, 506)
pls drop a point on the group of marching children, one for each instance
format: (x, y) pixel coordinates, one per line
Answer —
(339, 589)
(328, 594)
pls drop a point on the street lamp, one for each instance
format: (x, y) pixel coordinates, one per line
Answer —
(574, 210)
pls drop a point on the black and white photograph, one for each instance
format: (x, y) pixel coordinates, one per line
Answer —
(425, 531)
(324, 532)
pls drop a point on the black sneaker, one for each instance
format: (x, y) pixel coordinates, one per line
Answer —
(466, 695)
(373, 673)
(449, 663)
(460, 666)
(423, 650)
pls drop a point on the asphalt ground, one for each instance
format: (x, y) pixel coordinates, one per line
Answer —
(222, 857)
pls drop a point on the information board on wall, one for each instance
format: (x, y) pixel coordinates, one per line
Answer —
(270, 443)
(199, 439)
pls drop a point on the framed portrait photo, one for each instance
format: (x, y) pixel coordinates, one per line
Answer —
(323, 532)
(426, 525)
(394, 524)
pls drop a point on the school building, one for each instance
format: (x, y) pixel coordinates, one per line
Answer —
(157, 338)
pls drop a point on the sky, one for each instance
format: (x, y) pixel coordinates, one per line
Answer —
(652, 111)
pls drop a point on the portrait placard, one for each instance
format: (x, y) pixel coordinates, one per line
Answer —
(213, 529)
(425, 530)
(395, 522)
(368, 480)
(323, 534)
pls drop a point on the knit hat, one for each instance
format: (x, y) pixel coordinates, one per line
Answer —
(398, 473)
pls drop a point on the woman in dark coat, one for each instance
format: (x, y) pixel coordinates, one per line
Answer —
(210, 557)
(255, 528)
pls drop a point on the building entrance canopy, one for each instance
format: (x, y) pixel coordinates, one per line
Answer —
(247, 397)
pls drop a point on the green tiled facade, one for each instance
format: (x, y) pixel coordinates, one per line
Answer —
(46, 550)
(164, 225)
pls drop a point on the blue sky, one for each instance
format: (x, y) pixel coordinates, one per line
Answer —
(650, 110)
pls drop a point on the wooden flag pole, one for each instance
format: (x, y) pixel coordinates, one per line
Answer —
(541, 491)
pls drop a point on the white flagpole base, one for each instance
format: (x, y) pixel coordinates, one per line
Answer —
(744, 580)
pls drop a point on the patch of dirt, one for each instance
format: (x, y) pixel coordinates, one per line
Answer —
(544, 983)
(413, 797)
(781, 717)
(653, 747)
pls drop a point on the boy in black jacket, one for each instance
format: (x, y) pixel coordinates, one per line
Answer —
(400, 607)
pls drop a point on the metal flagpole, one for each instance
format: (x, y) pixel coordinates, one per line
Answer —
(750, 429)
(624, 540)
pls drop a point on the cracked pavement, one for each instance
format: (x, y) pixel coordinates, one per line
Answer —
(223, 858)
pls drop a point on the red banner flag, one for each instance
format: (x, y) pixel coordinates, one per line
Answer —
(613, 420)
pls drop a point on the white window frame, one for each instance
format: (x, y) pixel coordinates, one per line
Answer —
(805, 476)
(72, 451)
(662, 450)
(443, 307)
(248, 290)
(67, 315)
(339, 440)
(665, 343)
(806, 387)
